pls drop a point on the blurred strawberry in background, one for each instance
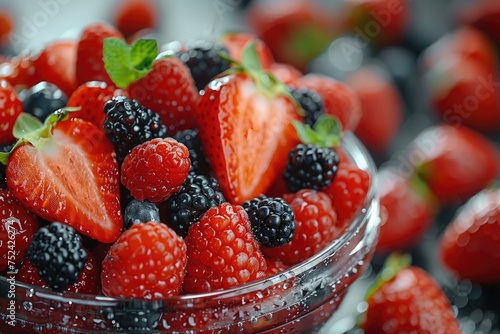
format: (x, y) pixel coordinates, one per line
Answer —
(381, 108)
(482, 14)
(133, 16)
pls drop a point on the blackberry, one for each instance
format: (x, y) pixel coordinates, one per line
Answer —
(128, 124)
(190, 138)
(198, 194)
(202, 58)
(140, 212)
(135, 316)
(311, 102)
(57, 251)
(310, 166)
(43, 99)
(272, 220)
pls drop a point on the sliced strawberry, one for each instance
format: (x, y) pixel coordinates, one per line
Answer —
(245, 125)
(57, 64)
(91, 97)
(237, 42)
(67, 172)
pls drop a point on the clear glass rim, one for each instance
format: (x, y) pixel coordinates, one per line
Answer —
(354, 149)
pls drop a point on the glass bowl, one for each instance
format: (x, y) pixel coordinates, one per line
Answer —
(298, 300)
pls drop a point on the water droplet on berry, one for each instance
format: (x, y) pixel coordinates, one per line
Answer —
(30, 293)
(28, 306)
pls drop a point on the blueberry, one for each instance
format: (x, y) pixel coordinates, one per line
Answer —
(140, 212)
(43, 99)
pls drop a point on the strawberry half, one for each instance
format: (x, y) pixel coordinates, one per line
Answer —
(66, 171)
(245, 125)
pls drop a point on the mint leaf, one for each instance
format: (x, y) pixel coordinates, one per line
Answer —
(126, 64)
(143, 53)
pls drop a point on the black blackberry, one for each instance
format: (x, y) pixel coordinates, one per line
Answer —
(56, 250)
(310, 166)
(190, 138)
(3, 178)
(198, 194)
(43, 99)
(311, 102)
(140, 212)
(272, 220)
(202, 58)
(135, 316)
(128, 124)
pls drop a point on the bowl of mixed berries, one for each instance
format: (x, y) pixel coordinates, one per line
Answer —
(190, 188)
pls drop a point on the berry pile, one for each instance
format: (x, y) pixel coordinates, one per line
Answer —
(160, 180)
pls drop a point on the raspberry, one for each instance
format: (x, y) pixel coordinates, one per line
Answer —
(272, 220)
(22, 224)
(88, 282)
(348, 192)
(222, 251)
(156, 169)
(310, 167)
(317, 226)
(57, 252)
(146, 262)
(275, 266)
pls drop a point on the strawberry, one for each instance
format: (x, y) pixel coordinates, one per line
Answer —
(453, 174)
(66, 171)
(19, 71)
(316, 227)
(406, 299)
(10, 110)
(57, 64)
(242, 116)
(88, 282)
(156, 169)
(162, 84)
(382, 109)
(17, 226)
(132, 16)
(464, 42)
(236, 43)
(484, 15)
(469, 246)
(286, 73)
(407, 210)
(89, 62)
(6, 27)
(221, 250)
(296, 31)
(465, 92)
(378, 22)
(147, 262)
(339, 99)
(348, 191)
(91, 98)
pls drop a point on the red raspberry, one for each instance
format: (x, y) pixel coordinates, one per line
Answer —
(88, 282)
(156, 169)
(23, 224)
(222, 252)
(275, 266)
(348, 191)
(316, 223)
(148, 262)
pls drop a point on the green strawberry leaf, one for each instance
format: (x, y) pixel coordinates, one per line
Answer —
(29, 129)
(125, 63)
(250, 58)
(392, 266)
(326, 132)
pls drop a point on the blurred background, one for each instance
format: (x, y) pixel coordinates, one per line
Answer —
(405, 59)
